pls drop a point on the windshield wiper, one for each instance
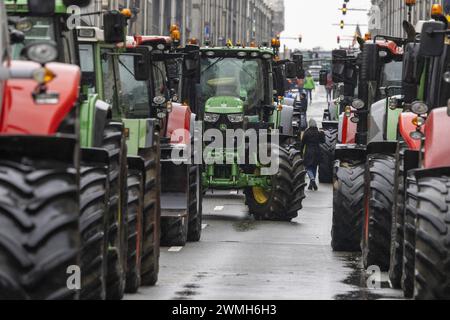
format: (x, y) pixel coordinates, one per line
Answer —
(213, 64)
(244, 70)
(126, 68)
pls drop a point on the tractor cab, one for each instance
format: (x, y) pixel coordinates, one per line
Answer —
(237, 85)
(44, 21)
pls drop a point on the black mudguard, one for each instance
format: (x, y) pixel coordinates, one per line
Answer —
(94, 156)
(136, 163)
(383, 147)
(434, 172)
(330, 125)
(61, 148)
(411, 161)
(350, 152)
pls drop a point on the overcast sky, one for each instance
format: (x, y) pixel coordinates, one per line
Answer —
(314, 18)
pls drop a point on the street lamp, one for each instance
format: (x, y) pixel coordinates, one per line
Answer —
(410, 4)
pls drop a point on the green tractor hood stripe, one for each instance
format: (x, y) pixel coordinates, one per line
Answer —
(21, 6)
(224, 105)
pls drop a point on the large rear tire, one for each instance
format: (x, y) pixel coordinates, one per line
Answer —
(114, 143)
(93, 229)
(39, 229)
(398, 221)
(409, 246)
(135, 216)
(348, 207)
(432, 262)
(283, 201)
(152, 215)
(326, 165)
(376, 242)
(195, 204)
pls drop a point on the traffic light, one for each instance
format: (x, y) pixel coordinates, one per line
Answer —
(344, 9)
(300, 39)
(338, 39)
(342, 24)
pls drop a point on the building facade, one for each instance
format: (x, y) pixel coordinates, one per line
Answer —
(278, 8)
(214, 20)
(393, 12)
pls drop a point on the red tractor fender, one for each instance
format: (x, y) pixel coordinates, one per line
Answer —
(405, 127)
(22, 116)
(179, 124)
(437, 147)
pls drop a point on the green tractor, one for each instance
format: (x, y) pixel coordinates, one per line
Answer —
(119, 76)
(237, 100)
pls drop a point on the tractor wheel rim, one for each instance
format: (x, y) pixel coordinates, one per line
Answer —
(260, 195)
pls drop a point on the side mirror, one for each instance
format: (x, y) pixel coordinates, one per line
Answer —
(432, 39)
(323, 77)
(291, 70)
(141, 64)
(338, 65)
(369, 62)
(114, 24)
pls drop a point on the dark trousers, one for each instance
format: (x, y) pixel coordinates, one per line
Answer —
(312, 172)
(309, 94)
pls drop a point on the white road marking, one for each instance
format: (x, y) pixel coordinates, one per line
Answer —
(175, 249)
(204, 226)
(234, 192)
(218, 208)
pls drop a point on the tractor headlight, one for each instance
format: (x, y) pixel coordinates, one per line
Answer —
(358, 104)
(236, 118)
(42, 52)
(418, 107)
(211, 117)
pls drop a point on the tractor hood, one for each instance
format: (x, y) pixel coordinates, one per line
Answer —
(224, 105)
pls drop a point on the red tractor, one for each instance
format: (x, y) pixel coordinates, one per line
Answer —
(426, 223)
(39, 174)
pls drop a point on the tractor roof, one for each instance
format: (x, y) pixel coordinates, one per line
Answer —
(142, 40)
(234, 51)
(21, 6)
(391, 46)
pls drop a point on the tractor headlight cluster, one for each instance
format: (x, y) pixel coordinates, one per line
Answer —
(211, 117)
(236, 118)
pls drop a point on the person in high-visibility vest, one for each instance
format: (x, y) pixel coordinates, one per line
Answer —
(309, 86)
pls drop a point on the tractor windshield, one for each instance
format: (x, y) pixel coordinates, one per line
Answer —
(134, 93)
(45, 28)
(392, 74)
(233, 77)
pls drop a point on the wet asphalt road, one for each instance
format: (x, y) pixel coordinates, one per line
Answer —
(243, 259)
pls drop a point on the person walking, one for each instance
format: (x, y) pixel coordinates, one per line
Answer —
(310, 146)
(309, 86)
(329, 87)
(303, 108)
